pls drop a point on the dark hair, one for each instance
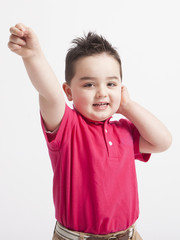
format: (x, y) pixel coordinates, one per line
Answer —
(90, 44)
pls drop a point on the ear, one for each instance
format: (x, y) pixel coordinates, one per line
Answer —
(67, 90)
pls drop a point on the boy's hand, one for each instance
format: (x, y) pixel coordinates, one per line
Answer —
(154, 136)
(125, 99)
(23, 41)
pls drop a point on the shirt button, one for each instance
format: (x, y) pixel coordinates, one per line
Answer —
(106, 130)
(110, 143)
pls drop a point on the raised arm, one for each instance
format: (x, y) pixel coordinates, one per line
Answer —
(155, 137)
(24, 42)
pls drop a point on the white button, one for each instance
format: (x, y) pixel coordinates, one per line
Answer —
(106, 130)
(110, 143)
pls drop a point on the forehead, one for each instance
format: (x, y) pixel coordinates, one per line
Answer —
(97, 64)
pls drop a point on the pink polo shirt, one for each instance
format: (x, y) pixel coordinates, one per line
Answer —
(95, 186)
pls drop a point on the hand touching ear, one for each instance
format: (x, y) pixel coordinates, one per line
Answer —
(125, 99)
(154, 136)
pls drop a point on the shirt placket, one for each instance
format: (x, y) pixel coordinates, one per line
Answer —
(111, 144)
(108, 140)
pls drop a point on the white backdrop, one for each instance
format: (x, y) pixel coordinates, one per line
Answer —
(146, 34)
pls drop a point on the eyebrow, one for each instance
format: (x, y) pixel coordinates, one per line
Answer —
(94, 78)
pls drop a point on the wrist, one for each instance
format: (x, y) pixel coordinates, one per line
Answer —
(125, 108)
(31, 55)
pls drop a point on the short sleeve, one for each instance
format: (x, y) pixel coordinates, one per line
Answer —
(54, 139)
(137, 154)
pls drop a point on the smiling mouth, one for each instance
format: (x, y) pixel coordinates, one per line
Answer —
(100, 104)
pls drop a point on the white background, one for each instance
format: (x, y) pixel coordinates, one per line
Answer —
(146, 34)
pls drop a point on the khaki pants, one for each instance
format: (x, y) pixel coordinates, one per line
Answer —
(136, 236)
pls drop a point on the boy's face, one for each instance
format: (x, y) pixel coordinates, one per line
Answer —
(96, 87)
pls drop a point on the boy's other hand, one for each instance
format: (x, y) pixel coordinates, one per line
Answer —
(125, 99)
(23, 41)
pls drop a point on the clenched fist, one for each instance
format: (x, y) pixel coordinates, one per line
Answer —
(23, 41)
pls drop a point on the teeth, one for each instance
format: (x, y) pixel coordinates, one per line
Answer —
(100, 104)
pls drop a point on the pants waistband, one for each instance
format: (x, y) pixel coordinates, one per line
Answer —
(67, 234)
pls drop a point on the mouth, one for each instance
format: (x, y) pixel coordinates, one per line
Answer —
(100, 104)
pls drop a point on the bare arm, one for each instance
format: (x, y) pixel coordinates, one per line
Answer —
(24, 42)
(155, 137)
(51, 99)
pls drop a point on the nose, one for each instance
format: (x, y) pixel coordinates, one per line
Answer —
(101, 92)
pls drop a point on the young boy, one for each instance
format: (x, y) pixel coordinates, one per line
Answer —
(93, 158)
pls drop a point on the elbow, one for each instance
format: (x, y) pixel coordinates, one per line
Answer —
(167, 142)
(160, 145)
(163, 144)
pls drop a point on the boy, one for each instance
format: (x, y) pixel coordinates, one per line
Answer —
(94, 186)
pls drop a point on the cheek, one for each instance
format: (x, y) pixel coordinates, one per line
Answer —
(81, 98)
(117, 97)
(116, 101)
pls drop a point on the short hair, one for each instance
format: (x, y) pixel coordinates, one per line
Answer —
(90, 44)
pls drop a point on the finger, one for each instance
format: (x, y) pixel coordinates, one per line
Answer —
(24, 29)
(17, 32)
(21, 26)
(13, 47)
(124, 88)
(16, 40)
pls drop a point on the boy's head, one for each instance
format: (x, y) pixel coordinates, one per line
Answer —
(93, 77)
(92, 44)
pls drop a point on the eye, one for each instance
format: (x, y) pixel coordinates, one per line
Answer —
(88, 85)
(112, 84)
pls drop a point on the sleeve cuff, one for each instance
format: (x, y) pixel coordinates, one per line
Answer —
(137, 154)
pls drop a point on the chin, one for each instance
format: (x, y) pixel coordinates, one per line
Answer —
(100, 118)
